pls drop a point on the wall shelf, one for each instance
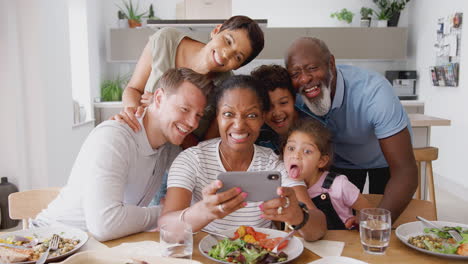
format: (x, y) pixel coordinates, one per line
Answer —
(193, 23)
(359, 43)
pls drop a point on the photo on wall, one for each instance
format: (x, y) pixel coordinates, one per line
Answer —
(447, 48)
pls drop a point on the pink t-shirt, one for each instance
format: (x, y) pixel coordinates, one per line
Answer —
(343, 194)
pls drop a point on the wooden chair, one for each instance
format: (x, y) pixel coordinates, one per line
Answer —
(416, 207)
(28, 204)
(426, 155)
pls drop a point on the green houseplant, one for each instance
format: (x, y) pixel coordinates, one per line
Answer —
(151, 15)
(344, 15)
(382, 18)
(131, 13)
(111, 90)
(366, 14)
(390, 9)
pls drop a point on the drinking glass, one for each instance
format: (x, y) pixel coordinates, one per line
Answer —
(176, 239)
(375, 228)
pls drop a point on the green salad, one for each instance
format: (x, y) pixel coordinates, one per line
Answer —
(239, 251)
(440, 241)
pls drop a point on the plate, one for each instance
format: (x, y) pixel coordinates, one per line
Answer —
(294, 248)
(337, 260)
(47, 232)
(108, 256)
(405, 231)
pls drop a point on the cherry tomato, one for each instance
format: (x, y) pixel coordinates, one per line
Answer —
(270, 243)
(236, 235)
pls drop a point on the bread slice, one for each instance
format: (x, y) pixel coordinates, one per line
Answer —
(12, 255)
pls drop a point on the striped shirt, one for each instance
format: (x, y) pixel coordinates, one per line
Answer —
(198, 166)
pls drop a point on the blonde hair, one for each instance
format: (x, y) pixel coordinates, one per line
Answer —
(173, 78)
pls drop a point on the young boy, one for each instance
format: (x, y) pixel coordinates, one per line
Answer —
(118, 171)
(282, 113)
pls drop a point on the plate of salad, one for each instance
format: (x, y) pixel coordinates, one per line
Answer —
(27, 246)
(435, 241)
(247, 245)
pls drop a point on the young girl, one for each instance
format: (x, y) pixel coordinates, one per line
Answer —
(307, 156)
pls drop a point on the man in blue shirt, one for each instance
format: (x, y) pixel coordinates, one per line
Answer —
(371, 130)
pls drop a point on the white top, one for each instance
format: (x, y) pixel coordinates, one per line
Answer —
(198, 166)
(115, 175)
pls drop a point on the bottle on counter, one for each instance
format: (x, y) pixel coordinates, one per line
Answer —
(6, 188)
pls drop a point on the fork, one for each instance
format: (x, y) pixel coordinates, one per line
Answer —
(453, 233)
(215, 234)
(286, 238)
(53, 244)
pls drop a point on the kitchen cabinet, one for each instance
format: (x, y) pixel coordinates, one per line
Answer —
(359, 43)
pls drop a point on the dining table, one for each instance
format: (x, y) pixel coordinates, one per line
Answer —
(397, 252)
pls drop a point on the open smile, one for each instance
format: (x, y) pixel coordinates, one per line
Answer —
(217, 59)
(279, 122)
(312, 91)
(239, 137)
(183, 129)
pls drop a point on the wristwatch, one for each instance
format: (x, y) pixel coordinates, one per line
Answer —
(305, 212)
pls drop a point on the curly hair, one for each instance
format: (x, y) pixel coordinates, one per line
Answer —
(274, 76)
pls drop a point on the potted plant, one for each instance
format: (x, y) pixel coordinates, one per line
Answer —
(151, 15)
(344, 15)
(111, 90)
(392, 9)
(132, 14)
(123, 23)
(366, 14)
(382, 18)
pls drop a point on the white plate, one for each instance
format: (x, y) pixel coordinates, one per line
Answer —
(337, 260)
(405, 231)
(293, 250)
(47, 232)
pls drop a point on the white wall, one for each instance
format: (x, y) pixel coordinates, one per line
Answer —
(40, 143)
(280, 13)
(445, 102)
(303, 13)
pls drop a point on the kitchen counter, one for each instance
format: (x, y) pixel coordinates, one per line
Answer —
(421, 120)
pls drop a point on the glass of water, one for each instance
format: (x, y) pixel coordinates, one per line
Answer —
(176, 240)
(375, 228)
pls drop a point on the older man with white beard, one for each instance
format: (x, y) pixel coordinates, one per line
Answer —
(371, 130)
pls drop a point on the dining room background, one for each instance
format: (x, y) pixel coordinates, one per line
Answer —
(39, 141)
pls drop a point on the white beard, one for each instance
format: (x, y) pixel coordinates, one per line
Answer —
(320, 106)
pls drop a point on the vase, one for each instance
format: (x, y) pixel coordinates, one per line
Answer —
(123, 23)
(132, 23)
(382, 23)
(393, 21)
(365, 22)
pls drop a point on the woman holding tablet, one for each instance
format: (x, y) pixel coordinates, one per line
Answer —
(192, 184)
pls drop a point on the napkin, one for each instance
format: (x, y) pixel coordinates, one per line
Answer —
(324, 248)
(143, 248)
(92, 244)
(148, 251)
